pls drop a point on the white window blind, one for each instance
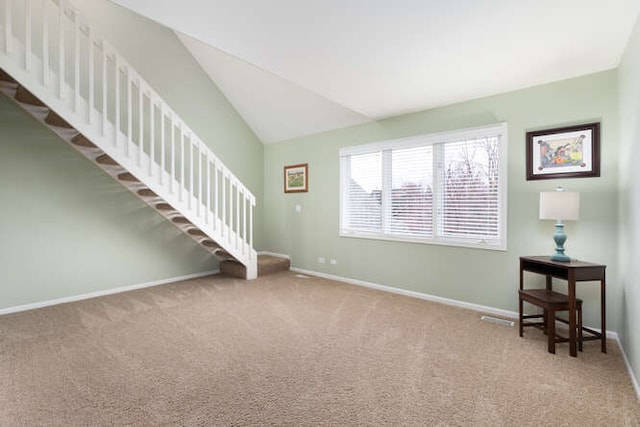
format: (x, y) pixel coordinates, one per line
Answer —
(470, 207)
(411, 192)
(364, 192)
(447, 188)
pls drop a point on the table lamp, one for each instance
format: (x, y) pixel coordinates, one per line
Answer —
(560, 205)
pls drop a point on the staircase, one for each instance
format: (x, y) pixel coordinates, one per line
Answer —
(55, 66)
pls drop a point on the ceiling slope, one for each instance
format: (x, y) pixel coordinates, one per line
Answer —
(381, 58)
(273, 107)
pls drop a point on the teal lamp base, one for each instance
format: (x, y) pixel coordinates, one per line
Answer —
(560, 258)
(560, 237)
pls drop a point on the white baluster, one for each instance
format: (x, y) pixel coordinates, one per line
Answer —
(117, 108)
(92, 74)
(104, 58)
(224, 204)
(181, 161)
(192, 170)
(8, 36)
(76, 61)
(216, 211)
(27, 35)
(162, 144)
(129, 110)
(200, 199)
(251, 225)
(237, 228)
(61, 59)
(173, 155)
(231, 227)
(206, 220)
(244, 223)
(152, 134)
(140, 123)
(46, 71)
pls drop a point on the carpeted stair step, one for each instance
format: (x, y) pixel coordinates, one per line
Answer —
(162, 206)
(25, 97)
(267, 264)
(224, 256)
(197, 232)
(128, 177)
(145, 192)
(82, 141)
(106, 160)
(210, 244)
(53, 119)
(180, 220)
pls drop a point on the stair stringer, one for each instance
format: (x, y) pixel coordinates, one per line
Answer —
(228, 233)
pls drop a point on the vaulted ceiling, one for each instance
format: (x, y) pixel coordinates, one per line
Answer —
(294, 67)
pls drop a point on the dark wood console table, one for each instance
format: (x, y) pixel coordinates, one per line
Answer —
(572, 272)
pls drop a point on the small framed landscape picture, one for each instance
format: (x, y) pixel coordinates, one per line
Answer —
(567, 152)
(296, 178)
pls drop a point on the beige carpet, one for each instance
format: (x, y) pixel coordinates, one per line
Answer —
(292, 351)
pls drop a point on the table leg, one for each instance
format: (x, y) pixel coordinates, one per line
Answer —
(573, 351)
(550, 316)
(603, 316)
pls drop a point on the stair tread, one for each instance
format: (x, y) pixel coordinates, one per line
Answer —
(53, 119)
(104, 159)
(180, 220)
(83, 141)
(145, 192)
(128, 176)
(25, 97)
(162, 206)
(210, 243)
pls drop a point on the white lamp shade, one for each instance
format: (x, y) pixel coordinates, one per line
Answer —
(560, 205)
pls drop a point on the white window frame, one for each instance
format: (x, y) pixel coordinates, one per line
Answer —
(500, 130)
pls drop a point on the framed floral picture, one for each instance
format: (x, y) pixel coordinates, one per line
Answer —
(566, 152)
(296, 178)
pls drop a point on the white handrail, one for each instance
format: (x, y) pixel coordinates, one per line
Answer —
(96, 90)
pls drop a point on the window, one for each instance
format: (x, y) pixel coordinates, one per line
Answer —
(447, 188)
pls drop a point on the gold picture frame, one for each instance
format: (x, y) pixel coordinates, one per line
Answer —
(296, 178)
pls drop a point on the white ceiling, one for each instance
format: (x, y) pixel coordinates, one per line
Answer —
(295, 67)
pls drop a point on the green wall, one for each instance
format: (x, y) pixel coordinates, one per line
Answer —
(477, 276)
(67, 228)
(629, 231)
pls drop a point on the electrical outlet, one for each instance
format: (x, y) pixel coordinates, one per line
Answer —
(321, 260)
(333, 262)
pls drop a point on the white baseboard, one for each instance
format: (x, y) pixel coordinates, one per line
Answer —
(470, 306)
(274, 254)
(41, 304)
(414, 294)
(632, 375)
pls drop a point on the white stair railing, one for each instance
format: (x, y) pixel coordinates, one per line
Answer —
(51, 51)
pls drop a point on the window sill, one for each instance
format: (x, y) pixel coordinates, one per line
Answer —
(464, 243)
